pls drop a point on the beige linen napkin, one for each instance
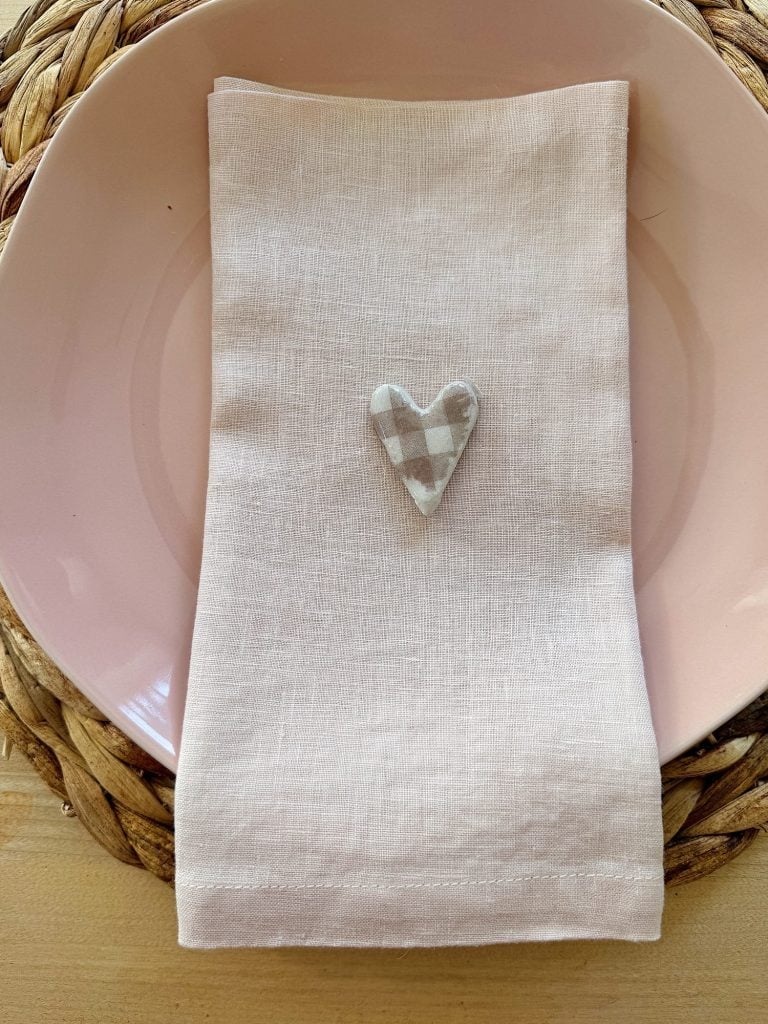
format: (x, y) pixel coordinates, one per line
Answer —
(402, 730)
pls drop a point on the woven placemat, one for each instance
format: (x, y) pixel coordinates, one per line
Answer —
(715, 801)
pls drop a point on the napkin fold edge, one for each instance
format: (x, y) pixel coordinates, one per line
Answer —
(537, 908)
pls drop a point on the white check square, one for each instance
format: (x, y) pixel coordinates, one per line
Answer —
(439, 440)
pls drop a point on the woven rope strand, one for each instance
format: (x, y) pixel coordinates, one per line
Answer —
(714, 802)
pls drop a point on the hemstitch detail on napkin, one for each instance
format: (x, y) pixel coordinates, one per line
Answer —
(415, 885)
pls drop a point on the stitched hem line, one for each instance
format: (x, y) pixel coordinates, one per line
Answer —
(415, 885)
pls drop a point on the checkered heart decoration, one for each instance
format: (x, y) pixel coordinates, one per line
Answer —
(425, 445)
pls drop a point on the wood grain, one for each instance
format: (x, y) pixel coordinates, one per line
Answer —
(88, 940)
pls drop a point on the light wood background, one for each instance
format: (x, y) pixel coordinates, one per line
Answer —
(86, 940)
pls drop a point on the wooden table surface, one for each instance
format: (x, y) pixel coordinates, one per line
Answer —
(87, 940)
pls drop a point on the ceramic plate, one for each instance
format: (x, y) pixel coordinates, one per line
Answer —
(104, 287)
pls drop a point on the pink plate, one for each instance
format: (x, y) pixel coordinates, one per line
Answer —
(104, 390)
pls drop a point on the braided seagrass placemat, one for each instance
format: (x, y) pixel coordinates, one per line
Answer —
(715, 800)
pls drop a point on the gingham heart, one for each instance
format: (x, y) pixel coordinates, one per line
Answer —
(425, 445)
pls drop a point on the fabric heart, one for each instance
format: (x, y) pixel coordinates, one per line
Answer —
(425, 445)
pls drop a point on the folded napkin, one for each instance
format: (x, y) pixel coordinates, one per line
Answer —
(405, 730)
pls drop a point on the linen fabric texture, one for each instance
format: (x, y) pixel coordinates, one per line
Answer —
(399, 730)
